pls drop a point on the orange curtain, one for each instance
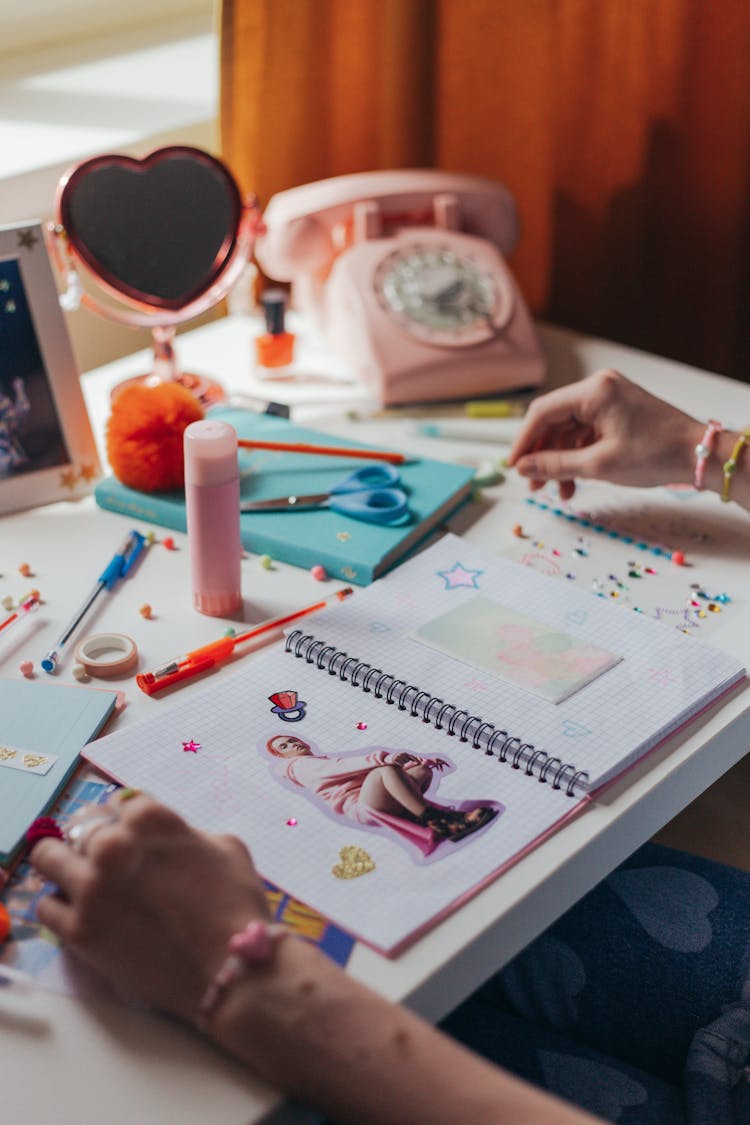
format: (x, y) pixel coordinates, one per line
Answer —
(622, 128)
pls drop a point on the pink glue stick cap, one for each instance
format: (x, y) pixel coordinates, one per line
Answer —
(212, 498)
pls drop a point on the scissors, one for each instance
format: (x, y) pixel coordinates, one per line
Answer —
(368, 494)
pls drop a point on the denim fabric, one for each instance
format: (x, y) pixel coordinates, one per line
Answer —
(636, 1003)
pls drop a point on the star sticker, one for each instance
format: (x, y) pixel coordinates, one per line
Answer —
(28, 239)
(68, 480)
(458, 575)
(191, 747)
(87, 473)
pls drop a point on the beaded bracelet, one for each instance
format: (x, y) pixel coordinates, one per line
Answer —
(703, 451)
(249, 948)
(730, 466)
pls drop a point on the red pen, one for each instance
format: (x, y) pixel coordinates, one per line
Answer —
(208, 656)
(25, 607)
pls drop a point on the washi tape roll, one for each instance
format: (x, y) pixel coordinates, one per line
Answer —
(107, 654)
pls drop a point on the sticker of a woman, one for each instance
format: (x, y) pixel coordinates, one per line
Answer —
(381, 789)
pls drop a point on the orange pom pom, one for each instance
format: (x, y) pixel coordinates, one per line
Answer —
(144, 435)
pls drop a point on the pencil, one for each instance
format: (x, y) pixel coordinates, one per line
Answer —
(327, 450)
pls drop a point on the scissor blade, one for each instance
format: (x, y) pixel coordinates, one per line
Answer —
(284, 503)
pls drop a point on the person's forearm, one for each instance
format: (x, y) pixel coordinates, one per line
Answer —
(308, 1029)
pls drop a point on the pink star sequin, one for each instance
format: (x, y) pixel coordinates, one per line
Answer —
(191, 747)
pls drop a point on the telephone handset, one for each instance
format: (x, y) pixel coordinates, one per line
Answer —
(404, 273)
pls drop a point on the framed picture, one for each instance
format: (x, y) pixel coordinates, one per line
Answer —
(47, 448)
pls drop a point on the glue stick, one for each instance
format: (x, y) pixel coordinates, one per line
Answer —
(212, 496)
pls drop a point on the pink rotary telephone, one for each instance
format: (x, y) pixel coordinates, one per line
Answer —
(404, 274)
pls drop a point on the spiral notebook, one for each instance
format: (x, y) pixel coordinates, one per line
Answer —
(413, 742)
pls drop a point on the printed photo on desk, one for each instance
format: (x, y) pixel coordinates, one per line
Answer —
(350, 548)
(33, 949)
(382, 768)
(47, 448)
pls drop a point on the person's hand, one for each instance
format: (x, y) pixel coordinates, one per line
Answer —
(607, 428)
(149, 901)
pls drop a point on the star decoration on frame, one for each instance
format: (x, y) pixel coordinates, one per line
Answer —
(87, 473)
(68, 480)
(191, 747)
(458, 575)
(28, 239)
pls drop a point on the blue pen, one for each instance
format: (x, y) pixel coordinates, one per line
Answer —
(118, 567)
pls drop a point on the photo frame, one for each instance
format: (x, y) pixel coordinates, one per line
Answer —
(47, 447)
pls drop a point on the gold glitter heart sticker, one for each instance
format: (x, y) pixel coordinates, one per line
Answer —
(354, 862)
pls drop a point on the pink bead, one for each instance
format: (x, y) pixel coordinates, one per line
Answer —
(678, 558)
(253, 944)
(319, 573)
(26, 668)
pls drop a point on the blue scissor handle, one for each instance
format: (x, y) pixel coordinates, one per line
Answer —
(378, 505)
(369, 477)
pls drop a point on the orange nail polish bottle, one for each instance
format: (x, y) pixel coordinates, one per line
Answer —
(275, 347)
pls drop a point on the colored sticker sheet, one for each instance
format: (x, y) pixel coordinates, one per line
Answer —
(493, 638)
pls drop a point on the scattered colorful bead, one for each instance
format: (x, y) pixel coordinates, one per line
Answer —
(26, 668)
(25, 570)
(266, 562)
(678, 557)
(361, 726)
(319, 572)
(292, 821)
(146, 611)
(80, 673)
(230, 632)
(169, 543)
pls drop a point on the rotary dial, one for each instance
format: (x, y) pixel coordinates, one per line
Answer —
(438, 295)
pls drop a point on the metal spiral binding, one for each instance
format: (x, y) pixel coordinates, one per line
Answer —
(483, 735)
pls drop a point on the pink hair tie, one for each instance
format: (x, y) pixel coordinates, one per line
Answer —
(250, 948)
(41, 827)
(703, 451)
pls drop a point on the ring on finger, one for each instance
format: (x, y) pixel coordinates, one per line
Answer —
(78, 834)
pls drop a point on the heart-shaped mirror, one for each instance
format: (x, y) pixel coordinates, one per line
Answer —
(158, 231)
(167, 235)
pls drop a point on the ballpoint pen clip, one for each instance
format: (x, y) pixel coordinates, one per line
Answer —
(131, 557)
(122, 562)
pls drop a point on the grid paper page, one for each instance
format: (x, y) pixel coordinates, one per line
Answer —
(663, 678)
(206, 755)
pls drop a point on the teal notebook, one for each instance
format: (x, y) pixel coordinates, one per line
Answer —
(349, 549)
(43, 728)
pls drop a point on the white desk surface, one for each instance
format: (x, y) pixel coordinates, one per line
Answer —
(104, 1062)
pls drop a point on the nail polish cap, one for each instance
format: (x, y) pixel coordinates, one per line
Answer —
(274, 309)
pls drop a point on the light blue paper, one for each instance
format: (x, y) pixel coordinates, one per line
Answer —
(43, 718)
